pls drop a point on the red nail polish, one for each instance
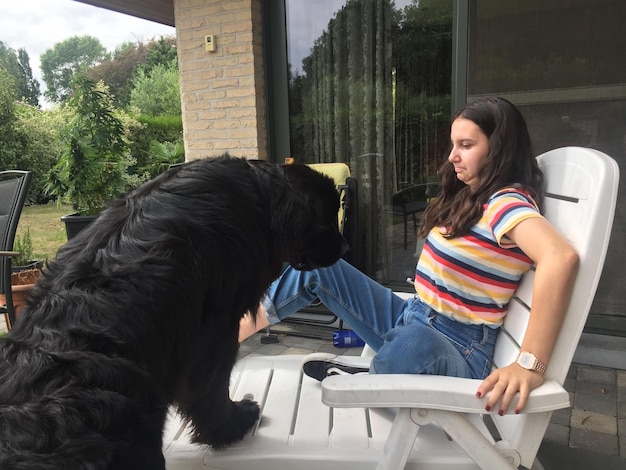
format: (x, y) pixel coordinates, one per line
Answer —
(516, 412)
(478, 394)
(501, 413)
(488, 408)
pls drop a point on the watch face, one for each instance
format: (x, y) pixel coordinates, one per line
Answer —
(526, 360)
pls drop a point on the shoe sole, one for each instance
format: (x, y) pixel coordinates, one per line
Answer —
(317, 365)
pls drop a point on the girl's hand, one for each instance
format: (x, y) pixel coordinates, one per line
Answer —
(504, 383)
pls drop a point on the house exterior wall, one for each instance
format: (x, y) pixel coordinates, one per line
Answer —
(223, 95)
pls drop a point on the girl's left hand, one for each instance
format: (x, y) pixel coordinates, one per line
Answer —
(504, 383)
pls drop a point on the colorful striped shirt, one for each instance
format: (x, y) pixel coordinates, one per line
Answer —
(472, 278)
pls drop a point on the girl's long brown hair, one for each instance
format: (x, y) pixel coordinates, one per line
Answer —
(510, 162)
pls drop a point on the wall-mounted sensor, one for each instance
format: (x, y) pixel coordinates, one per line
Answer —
(209, 43)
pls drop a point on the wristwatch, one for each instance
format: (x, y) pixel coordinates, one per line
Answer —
(529, 361)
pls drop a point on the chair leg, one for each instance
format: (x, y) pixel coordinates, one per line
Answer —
(405, 231)
(400, 441)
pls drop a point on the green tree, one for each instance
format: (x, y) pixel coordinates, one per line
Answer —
(60, 64)
(159, 92)
(8, 93)
(38, 144)
(161, 52)
(118, 71)
(18, 66)
(29, 87)
(93, 167)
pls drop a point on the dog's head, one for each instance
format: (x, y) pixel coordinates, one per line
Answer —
(316, 241)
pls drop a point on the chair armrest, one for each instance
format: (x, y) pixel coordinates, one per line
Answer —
(12, 254)
(428, 391)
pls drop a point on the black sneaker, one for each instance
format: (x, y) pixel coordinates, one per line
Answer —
(322, 365)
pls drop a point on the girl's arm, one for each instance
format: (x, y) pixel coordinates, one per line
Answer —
(556, 267)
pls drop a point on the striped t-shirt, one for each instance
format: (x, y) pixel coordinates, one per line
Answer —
(473, 277)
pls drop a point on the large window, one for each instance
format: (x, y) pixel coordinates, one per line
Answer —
(560, 62)
(369, 84)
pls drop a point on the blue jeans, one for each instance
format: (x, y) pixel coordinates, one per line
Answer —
(408, 336)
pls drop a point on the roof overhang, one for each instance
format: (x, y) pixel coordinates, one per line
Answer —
(159, 11)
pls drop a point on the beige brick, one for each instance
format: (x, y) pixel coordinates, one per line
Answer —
(239, 49)
(200, 145)
(238, 27)
(237, 5)
(225, 124)
(242, 134)
(211, 95)
(621, 378)
(226, 104)
(216, 61)
(199, 125)
(194, 86)
(239, 92)
(205, 134)
(594, 421)
(209, 74)
(240, 71)
(241, 112)
(230, 82)
(226, 144)
(212, 115)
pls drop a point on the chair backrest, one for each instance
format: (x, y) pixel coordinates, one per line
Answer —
(14, 186)
(347, 216)
(580, 198)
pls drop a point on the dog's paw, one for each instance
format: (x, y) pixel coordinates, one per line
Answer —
(246, 413)
(240, 418)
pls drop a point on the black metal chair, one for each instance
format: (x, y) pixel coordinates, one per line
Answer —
(14, 185)
(409, 202)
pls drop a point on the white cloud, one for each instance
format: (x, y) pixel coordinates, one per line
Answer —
(37, 25)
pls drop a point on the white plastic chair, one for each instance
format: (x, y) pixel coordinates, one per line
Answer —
(414, 421)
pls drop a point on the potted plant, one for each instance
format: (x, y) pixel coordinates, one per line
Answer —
(25, 271)
(92, 169)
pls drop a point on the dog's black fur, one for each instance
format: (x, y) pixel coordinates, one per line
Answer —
(141, 310)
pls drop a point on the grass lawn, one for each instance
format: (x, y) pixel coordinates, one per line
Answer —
(46, 229)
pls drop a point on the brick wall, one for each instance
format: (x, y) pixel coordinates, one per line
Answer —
(222, 92)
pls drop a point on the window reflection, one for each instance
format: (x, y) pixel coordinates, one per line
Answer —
(560, 62)
(369, 85)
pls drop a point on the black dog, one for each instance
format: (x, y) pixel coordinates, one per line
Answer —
(141, 310)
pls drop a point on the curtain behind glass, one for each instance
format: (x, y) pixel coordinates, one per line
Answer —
(344, 95)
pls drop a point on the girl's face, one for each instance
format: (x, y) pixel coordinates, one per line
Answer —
(469, 150)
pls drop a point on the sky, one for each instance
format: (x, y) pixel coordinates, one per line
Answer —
(37, 25)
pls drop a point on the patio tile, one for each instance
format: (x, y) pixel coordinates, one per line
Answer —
(557, 434)
(562, 416)
(594, 441)
(596, 374)
(582, 419)
(596, 397)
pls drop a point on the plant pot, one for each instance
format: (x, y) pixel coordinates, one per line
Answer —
(22, 284)
(74, 223)
(32, 264)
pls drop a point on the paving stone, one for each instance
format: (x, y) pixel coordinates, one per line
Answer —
(270, 349)
(621, 402)
(596, 374)
(573, 371)
(593, 421)
(621, 431)
(594, 441)
(569, 384)
(596, 397)
(295, 351)
(621, 378)
(562, 416)
(557, 434)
